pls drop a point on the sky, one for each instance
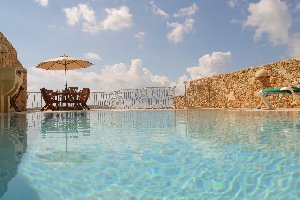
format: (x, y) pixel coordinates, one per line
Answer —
(148, 43)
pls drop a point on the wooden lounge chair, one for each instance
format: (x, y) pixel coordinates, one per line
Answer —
(84, 94)
(49, 101)
(73, 96)
(291, 90)
(13, 99)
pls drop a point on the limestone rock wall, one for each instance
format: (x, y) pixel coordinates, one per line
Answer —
(178, 102)
(239, 89)
(10, 59)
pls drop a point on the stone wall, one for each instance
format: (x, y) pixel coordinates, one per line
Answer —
(178, 102)
(10, 59)
(239, 89)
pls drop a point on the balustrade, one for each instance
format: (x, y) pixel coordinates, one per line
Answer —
(146, 98)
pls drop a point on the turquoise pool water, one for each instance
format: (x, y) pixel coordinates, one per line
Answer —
(167, 154)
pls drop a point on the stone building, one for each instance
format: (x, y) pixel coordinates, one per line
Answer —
(239, 89)
(8, 58)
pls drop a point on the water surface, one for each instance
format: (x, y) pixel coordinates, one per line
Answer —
(165, 154)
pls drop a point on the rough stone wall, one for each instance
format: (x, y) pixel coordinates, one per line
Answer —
(239, 89)
(178, 102)
(10, 59)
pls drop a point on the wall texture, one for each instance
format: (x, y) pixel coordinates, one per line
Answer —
(239, 89)
(10, 59)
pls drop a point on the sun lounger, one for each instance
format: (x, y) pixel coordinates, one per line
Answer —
(291, 90)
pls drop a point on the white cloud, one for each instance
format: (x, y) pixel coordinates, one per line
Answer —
(217, 62)
(271, 17)
(111, 77)
(160, 12)
(38, 78)
(90, 23)
(235, 21)
(157, 11)
(73, 15)
(238, 4)
(178, 30)
(133, 76)
(43, 3)
(87, 13)
(183, 12)
(180, 86)
(82, 13)
(117, 18)
(140, 35)
(122, 76)
(233, 3)
(92, 56)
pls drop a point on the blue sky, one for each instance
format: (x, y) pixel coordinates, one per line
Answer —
(138, 43)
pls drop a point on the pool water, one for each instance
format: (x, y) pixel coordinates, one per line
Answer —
(150, 154)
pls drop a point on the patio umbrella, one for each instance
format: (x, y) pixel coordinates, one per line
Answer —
(64, 63)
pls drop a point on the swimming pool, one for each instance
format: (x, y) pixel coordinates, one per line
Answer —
(152, 154)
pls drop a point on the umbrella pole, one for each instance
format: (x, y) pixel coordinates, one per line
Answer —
(66, 86)
(66, 142)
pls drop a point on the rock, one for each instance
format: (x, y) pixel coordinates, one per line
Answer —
(261, 73)
(8, 58)
(239, 89)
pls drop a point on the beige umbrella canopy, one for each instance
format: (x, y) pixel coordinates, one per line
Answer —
(64, 63)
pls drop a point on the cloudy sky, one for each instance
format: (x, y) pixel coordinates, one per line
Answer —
(138, 43)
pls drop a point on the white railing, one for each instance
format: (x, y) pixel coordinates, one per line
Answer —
(146, 98)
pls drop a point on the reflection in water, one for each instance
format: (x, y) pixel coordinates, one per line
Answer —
(254, 129)
(133, 132)
(154, 154)
(111, 130)
(70, 123)
(149, 119)
(82, 122)
(66, 125)
(13, 143)
(223, 127)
